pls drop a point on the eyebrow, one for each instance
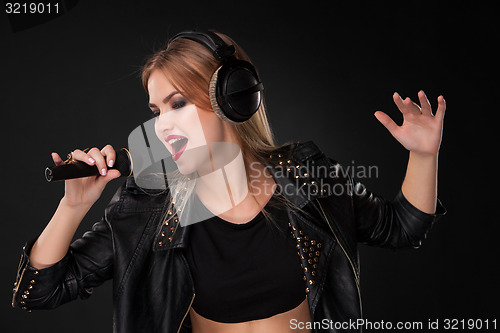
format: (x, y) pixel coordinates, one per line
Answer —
(165, 100)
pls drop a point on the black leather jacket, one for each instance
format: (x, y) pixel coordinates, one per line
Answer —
(153, 289)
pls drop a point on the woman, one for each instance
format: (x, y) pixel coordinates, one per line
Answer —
(261, 238)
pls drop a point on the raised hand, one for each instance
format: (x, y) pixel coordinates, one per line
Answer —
(421, 131)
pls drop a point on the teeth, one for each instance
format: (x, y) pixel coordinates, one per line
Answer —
(172, 141)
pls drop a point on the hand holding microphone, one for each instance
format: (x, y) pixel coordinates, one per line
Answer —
(87, 173)
(73, 168)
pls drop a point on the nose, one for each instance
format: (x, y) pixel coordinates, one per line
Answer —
(165, 122)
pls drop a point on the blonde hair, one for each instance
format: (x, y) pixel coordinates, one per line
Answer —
(189, 67)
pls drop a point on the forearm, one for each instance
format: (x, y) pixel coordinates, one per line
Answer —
(54, 241)
(420, 183)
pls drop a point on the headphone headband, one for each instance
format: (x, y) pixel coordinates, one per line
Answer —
(211, 40)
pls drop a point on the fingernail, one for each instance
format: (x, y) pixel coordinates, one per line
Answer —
(110, 163)
(91, 160)
(103, 172)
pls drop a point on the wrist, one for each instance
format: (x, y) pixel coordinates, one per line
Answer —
(72, 205)
(424, 156)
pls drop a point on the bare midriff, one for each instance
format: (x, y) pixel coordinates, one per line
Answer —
(279, 323)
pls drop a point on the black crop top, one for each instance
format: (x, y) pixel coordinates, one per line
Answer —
(244, 272)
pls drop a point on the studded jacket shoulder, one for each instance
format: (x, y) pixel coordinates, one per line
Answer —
(134, 247)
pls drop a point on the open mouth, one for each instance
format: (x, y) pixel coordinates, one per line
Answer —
(178, 144)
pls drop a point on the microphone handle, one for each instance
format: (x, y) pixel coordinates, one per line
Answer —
(80, 169)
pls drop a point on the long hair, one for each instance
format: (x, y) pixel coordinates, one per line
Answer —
(189, 66)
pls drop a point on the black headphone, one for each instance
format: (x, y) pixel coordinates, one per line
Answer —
(235, 89)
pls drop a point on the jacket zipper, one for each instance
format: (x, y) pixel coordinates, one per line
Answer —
(343, 250)
(189, 307)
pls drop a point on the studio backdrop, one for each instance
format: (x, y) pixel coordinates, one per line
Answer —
(71, 79)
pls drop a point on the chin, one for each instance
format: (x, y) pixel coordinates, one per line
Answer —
(185, 170)
(187, 164)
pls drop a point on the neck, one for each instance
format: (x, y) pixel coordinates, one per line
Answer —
(222, 185)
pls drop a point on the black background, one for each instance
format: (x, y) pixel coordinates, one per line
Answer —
(73, 82)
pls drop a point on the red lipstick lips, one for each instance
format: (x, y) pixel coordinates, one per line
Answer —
(178, 144)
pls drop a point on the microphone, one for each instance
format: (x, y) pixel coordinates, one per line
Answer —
(78, 169)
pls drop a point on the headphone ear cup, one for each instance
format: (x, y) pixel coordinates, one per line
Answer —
(235, 91)
(212, 94)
